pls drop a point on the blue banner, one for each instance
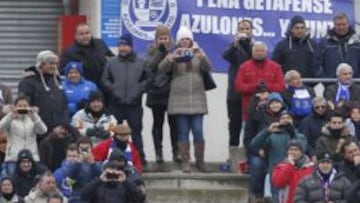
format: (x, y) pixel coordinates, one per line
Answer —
(214, 22)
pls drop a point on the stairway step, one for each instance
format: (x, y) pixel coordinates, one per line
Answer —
(197, 195)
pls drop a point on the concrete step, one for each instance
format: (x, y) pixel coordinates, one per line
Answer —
(197, 196)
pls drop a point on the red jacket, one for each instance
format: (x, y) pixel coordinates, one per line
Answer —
(250, 75)
(101, 150)
(287, 176)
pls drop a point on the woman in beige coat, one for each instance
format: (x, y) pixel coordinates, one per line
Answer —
(187, 100)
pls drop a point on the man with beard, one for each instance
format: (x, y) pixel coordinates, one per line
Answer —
(256, 72)
(311, 125)
(351, 163)
(324, 185)
(26, 172)
(120, 140)
(334, 134)
(112, 187)
(288, 173)
(52, 148)
(275, 139)
(83, 170)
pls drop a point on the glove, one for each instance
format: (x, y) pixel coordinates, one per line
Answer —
(82, 104)
(162, 48)
(102, 134)
(261, 87)
(90, 132)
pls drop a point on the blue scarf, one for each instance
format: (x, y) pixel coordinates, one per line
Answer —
(343, 94)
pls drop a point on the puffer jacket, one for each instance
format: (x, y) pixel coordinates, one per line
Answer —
(297, 54)
(125, 79)
(330, 54)
(76, 93)
(37, 196)
(311, 190)
(187, 91)
(328, 143)
(21, 134)
(287, 176)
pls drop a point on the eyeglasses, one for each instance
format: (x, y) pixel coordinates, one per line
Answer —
(320, 107)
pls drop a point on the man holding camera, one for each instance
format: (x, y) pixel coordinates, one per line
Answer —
(112, 187)
(84, 170)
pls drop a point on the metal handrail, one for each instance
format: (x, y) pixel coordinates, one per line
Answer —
(325, 80)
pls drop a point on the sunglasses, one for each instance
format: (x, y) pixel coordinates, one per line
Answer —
(320, 107)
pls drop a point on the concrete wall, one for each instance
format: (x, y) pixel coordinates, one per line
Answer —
(215, 124)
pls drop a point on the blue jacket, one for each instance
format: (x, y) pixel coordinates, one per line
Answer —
(330, 54)
(63, 181)
(76, 93)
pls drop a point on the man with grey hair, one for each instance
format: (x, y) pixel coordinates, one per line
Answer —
(41, 84)
(259, 71)
(339, 95)
(340, 45)
(297, 96)
(311, 125)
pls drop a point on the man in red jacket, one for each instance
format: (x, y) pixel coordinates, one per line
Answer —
(120, 140)
(287, 174)
(256, 72)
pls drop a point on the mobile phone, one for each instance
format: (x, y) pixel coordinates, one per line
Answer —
(22, 111)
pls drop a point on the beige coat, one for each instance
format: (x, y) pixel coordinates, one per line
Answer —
(187, 92)
(36, 196)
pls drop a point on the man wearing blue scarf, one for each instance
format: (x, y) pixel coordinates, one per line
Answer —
(340, 94)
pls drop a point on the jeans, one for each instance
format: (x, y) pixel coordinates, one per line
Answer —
(235, 121)
(133, 115)
(258, 170)
(158, 113)
(185, 123)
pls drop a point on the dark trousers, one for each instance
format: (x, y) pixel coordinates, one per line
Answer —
(235, 121)
(158, 113)
(133, 115)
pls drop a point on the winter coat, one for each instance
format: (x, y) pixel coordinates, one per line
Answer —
(287, 176)
(331, 91)
(275, 145)
(26, 181)
(14, 199)
(52, 104)
(235, 56)
(155, 95)
(97, 191)
(351, 172)
(296, 54)
(53, 150)
(37, 196)
(187, 91)
(101, 153)
(250, 76)
(329, 54)
(84, 121)
(328, 143)
(93, 58)
(21, 134)
(353, 195)
(77, 93)
(310, 189)
(63, 181)
(125, 80)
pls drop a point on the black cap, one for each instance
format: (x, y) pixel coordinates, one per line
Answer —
(295, 20)
(324, 156)
(25, 154)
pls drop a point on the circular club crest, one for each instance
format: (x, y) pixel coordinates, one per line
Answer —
(141, 17)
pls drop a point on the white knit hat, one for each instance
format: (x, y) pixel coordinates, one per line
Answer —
(184, 32)
(44, 56)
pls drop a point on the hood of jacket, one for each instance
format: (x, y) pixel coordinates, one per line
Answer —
(344, 133)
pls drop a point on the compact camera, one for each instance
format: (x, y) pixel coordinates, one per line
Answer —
(186, 55)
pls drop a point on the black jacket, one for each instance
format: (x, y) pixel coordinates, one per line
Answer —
(52, 104)
(298, 54)
(235, 56)
(93, 58)
(97, 191)
(351, 172)
(353, 195)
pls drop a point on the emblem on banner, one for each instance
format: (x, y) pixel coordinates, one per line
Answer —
(141, 17)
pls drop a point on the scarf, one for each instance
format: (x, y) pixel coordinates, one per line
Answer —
(343, 94)
(127, 152)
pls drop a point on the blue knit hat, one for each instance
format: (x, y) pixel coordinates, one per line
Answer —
(74, 65)
(126, 39)
(275, 96)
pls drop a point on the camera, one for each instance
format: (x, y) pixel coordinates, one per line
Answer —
(112, 175)
(84, 150)
(22, 111)
(186, 55)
